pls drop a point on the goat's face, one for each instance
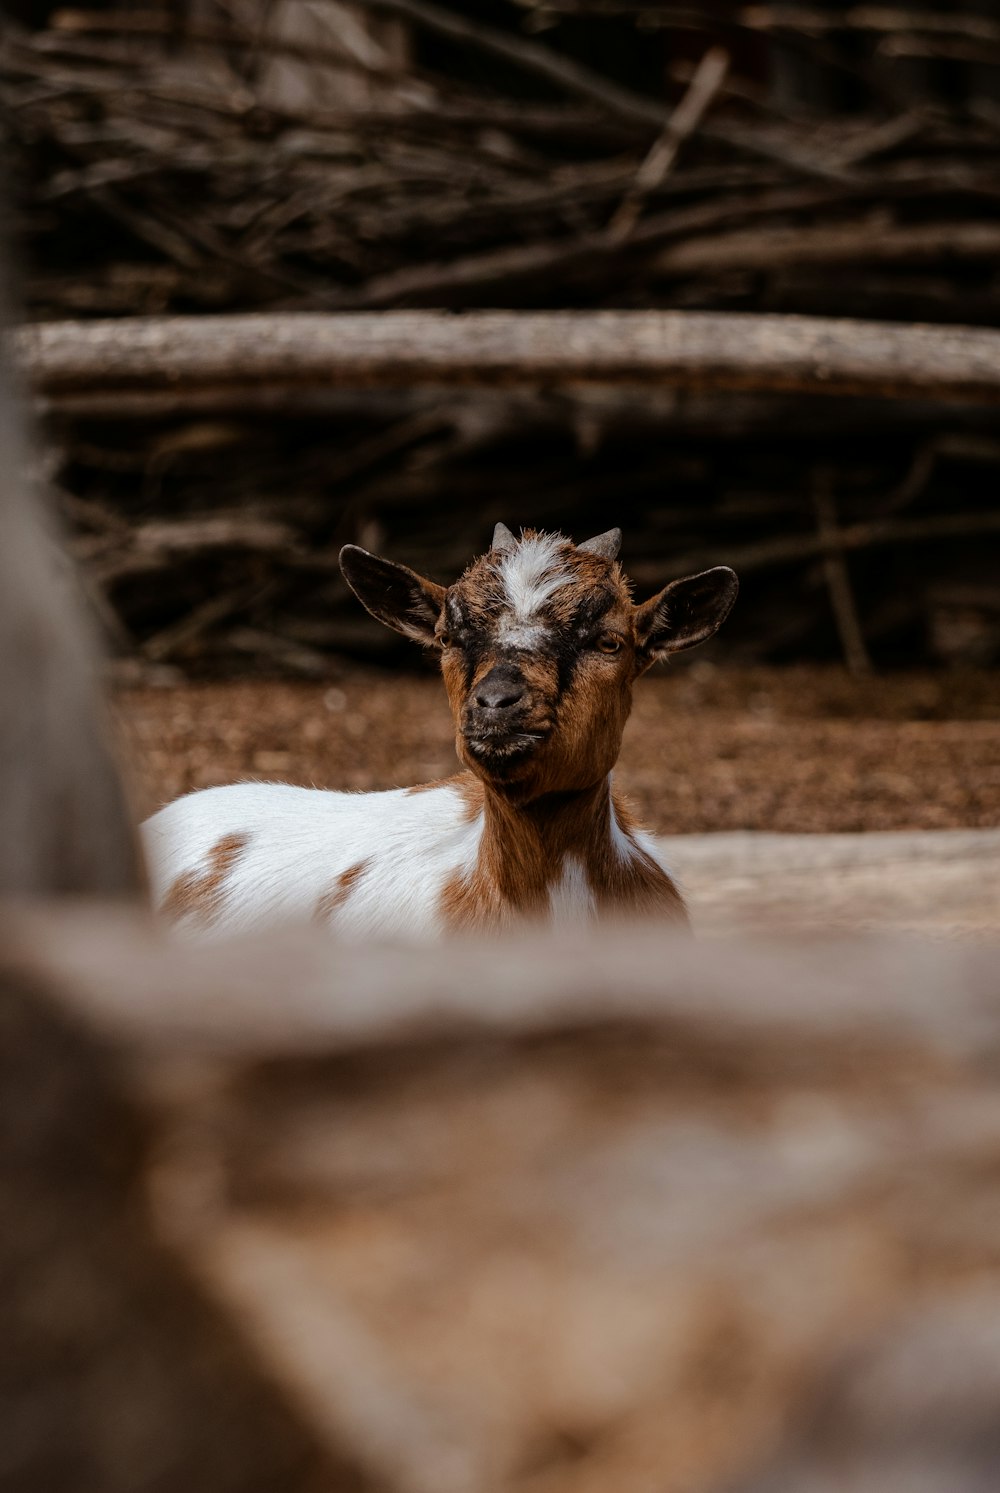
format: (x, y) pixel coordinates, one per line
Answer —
(537, 662)
(540, 642)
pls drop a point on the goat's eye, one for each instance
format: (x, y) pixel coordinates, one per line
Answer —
(608, 645)
(444, 639)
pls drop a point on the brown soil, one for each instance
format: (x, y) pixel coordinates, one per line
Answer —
(803, 749)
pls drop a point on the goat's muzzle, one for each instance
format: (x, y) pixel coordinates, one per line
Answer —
(499, 723)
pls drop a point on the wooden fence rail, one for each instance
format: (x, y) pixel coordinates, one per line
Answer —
(171, 359)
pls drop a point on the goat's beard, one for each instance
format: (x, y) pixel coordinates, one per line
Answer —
(501, 758)
(523, 766)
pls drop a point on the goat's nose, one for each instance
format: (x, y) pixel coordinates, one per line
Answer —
(501, 688)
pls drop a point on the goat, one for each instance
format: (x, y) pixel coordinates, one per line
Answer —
(539, 644)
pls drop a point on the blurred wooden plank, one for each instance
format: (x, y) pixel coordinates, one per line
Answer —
(64, 822)
(676, 349)
(296, 991)
(562, 1215)
(116, 1372)
(939, 882)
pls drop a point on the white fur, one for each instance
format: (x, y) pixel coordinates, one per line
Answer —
(653, 849)
(514, 634)
(628, 847)
(624, 845)
(299, 840)
(531, 573)
(571, 898)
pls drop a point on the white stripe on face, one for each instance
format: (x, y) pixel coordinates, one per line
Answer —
(514, 634)
(531, 573)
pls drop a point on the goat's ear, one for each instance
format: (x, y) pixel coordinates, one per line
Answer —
(685, 613)
(393, 593)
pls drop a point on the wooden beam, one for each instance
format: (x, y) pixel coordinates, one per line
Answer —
(87, 364)
(296, 991)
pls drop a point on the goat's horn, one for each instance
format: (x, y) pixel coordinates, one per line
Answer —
(503, 539)
(606, 545)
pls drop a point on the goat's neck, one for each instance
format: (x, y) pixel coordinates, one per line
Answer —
(524, 846)
(526, 850)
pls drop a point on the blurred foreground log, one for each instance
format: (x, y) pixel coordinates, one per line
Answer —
(131, 983)
(115, 1374)
(64, 826)
(624, 1212)
(673, 349)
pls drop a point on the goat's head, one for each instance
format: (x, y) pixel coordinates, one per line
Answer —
(540, 642)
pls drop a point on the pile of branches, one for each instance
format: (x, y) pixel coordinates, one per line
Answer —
(210, 542)
(568, 154)
(159, 166)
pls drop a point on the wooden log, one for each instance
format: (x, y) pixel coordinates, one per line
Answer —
(115, 1371)
(547, 1213)
(689, 350)
(64, 823)
(124, 978)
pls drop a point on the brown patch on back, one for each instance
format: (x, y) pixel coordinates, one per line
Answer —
(340, 891)
(199, 894)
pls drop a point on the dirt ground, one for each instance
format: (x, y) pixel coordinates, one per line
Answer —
(799, 749)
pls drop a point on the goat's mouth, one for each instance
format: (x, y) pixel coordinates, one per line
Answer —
(499, 748)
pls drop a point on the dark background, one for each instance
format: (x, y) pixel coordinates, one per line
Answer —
(238, 156)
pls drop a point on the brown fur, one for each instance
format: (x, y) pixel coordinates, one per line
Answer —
(592, 713)
(522, 853)
(482, 588)
(338, 894)
(199, 894)
(559, 803)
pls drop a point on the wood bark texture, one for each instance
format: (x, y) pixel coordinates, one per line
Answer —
(691, 350)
